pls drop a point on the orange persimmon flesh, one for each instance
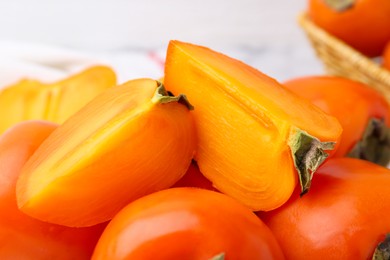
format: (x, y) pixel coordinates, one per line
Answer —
(127, 142)
(247, 125)
(30, 99)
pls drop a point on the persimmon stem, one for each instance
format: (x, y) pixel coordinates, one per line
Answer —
(340, 5)
(220, 256)
(163, 96)
(382, 251)
(308, 154)
(374, 146)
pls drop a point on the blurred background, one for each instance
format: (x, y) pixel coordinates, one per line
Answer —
(49, 39)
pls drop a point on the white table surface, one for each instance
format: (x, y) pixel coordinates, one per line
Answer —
(49, 39)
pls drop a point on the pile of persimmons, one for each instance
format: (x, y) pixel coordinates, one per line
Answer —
(216, 160)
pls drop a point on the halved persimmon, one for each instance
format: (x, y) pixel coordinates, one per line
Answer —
(129, 141)
(253, 134)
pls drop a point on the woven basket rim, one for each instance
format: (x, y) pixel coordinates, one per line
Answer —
(359, 63)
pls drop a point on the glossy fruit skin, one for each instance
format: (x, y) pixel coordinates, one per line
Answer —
(344, 216)
(351, 102)
(22, 237)
(194, 178)
(186, 223)
(365, 26)
(386, 56)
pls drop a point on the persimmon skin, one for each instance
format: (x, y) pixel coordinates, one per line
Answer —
(344, 216)
(352, 103)
(23, 237)
(186, 223)
(121, 146)
(194, 178)
(386, 56)
(365, 26)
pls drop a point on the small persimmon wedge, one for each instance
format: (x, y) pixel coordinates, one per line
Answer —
(253, 134)
(132, 140)
(30, 99)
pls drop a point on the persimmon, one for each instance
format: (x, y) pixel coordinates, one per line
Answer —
(186, 223)
(30, 99)
(362, 24)
(130, 141)
(194, 178)
(363, 113)
(23, 237)
(344, 216)
(386, 56)
(253, 134)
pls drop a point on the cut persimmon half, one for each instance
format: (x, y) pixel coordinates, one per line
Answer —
(130, 141)
(253, 134)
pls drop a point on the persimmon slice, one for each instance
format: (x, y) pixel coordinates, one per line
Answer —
(31, 99)
(129, 141)
(252, 132)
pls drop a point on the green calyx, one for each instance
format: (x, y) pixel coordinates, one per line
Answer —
(163, 96)
(308, 154)
(382, 251)
(340, 5)
(374, 146)
(220, 256)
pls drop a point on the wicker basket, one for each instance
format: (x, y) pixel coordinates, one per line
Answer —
(342, 60)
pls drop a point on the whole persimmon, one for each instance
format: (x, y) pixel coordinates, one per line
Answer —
(186, 223)
(362, 24)
(362, 111)
(344, 216)
(21, 236)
